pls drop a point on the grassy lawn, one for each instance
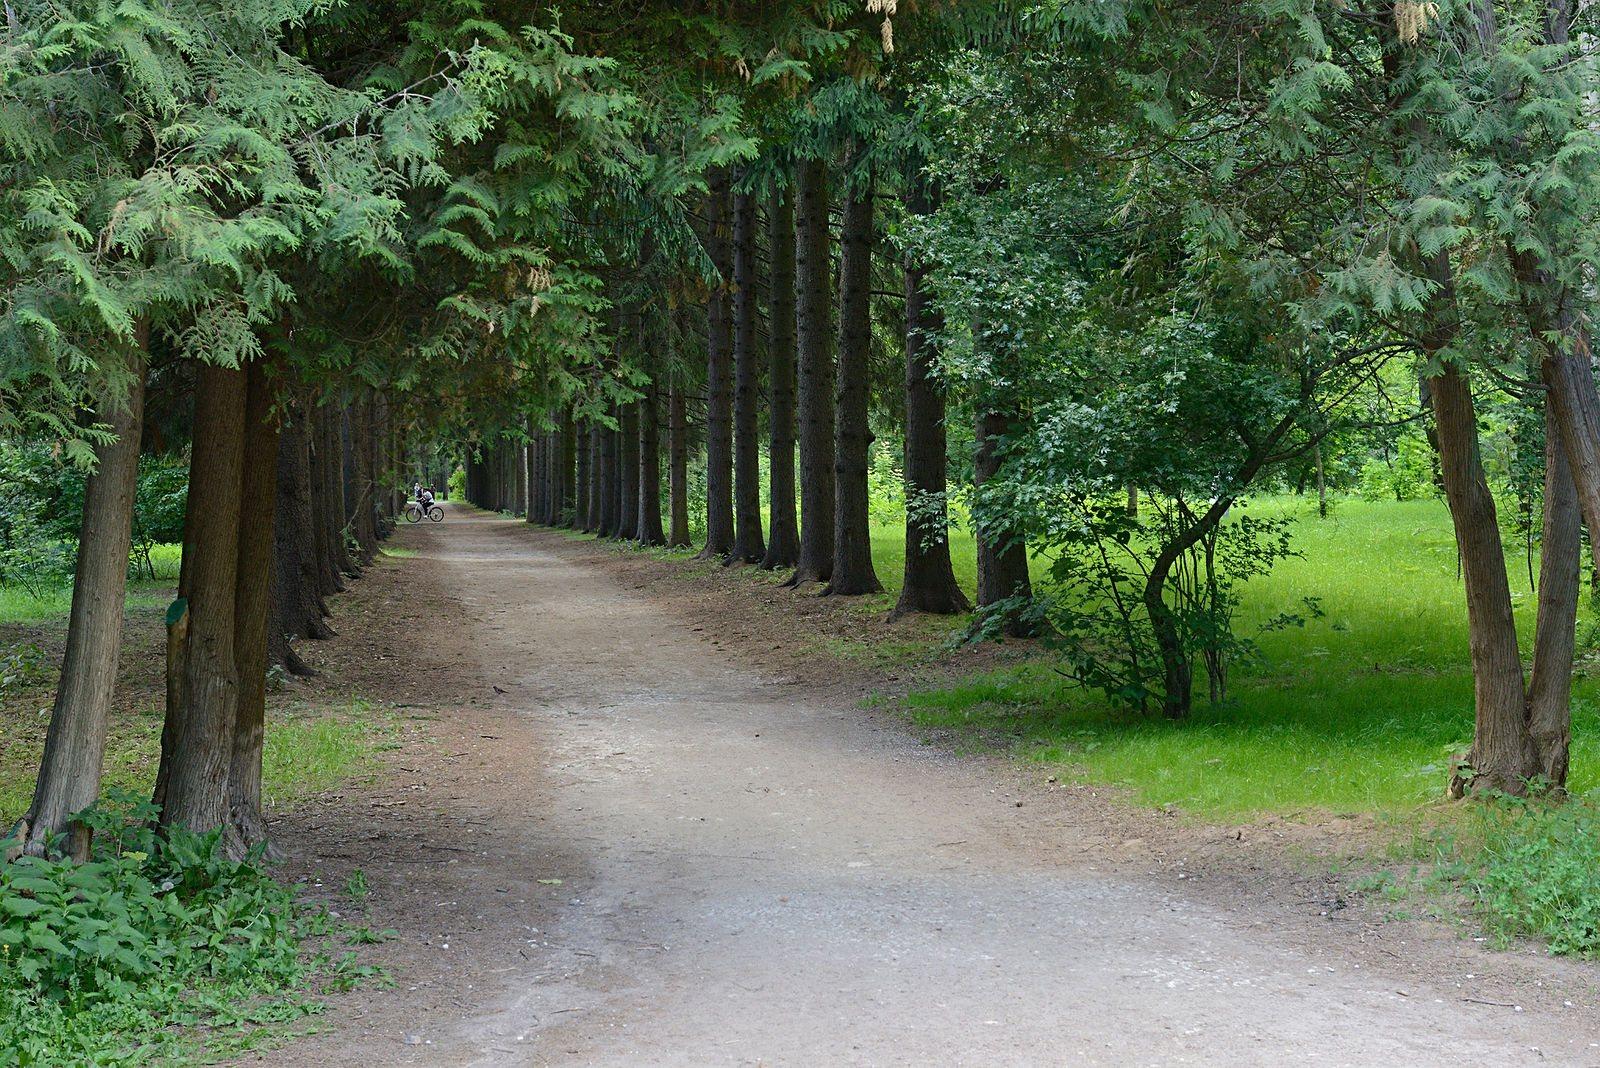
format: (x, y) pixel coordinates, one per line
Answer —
(1356, 711)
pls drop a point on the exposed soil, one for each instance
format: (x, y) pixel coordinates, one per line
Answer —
(641, 819)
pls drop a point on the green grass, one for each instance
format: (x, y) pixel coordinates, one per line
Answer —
(1357, 711)
(311, 751)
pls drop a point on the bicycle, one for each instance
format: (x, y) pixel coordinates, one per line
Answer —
(414, 511)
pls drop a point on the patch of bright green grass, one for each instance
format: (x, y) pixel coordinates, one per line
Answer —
(311, 751)
(18, 605)
(1359, 710)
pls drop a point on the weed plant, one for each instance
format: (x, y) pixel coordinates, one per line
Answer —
(1537, 874)
(160, 948)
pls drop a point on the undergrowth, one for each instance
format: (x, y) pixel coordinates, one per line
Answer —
(159, 949)
(1527, 867)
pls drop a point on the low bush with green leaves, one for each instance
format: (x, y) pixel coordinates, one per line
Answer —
(121, 960)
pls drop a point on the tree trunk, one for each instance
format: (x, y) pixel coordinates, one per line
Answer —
(852, 540)
(1322, 484)
(582, 441)
(541, 470)
(298, 608)
(564, 501)
(203, 682)
(813, 335)
(252, 604)
(930, 582)
(1554, 641)
(1002, 555)
(363, 484)
(1177, 671)
(650, 532)
(608, 483)
(783, 543)
(1502, 755)
(327, 497)
(749, 545)
(678, 470)
(597, 478)
(628, 472)
(75, 743)
(719, 380)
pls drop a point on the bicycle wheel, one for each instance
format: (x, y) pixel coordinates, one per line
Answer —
(413, 512)
(436, 513)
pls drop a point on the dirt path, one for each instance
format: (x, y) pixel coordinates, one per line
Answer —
(628, 847)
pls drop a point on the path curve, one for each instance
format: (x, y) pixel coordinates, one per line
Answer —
(752, 873)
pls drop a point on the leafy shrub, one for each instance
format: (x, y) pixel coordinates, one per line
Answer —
(886, 485)
(99, 961)
(1407, 477)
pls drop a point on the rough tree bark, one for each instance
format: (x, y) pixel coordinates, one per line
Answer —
(541, 479)
(567, 459)
(930, 582)
(202, 674)
(677, 469)
(252, 607)
(813, 335)
(361, 508)
(749, 544)
(852, 542)
(628, 472)
(783, 541)
(75, 742)
(650, 532)
(1555, 627)
(1502, 755)
(608, 482)
(719, 380)
(1002, 555)
(597, 478)
(327, 494)
(581, 479)
(298, 607)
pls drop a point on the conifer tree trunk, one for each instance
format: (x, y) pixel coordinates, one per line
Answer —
(298, 608)
(362, 503)
(1555, 628)
(252, 607)
(930, 582)
(327, 497)
(517, 471)
(597, 478)
(202, 673)
(783, 543)
(581, 481)
(609, 495)
(565, 503)
(1502, 755)
(628, 472)
(749, 545)
(1002, 556)
(719, 375)
(75, 742)
(813, 334)
(650, 532)
(852, 542)
(678, 470)
(537, 461)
